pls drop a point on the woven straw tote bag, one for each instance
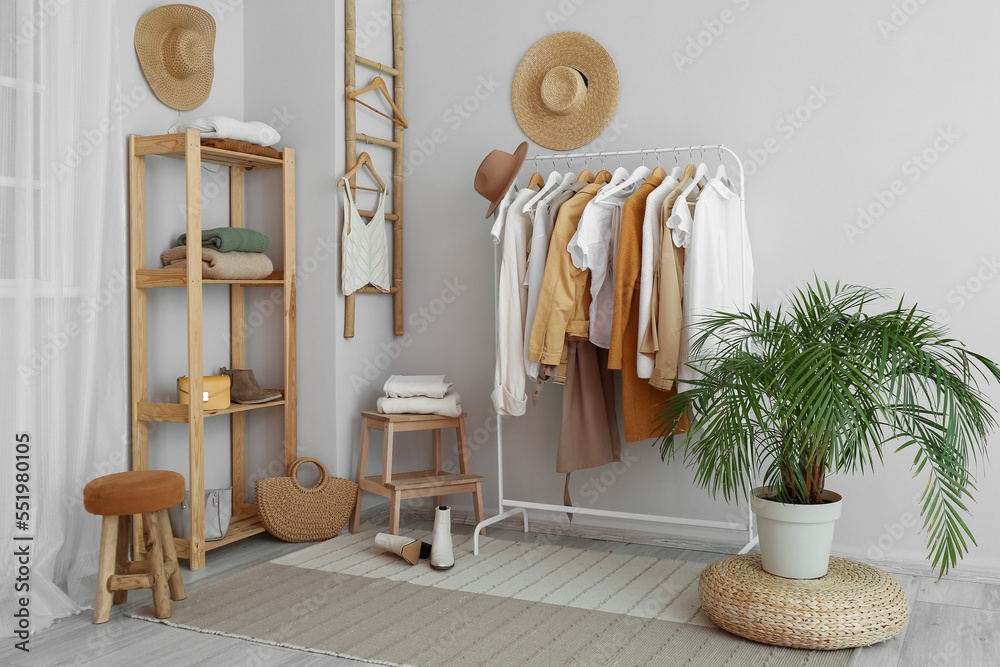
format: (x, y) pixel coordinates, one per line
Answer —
(294, 513)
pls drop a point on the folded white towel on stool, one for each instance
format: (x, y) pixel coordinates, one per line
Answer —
(449, 406)
(407, 386)
(225, 127)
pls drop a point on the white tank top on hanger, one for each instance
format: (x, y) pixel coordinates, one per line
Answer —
(365, 247)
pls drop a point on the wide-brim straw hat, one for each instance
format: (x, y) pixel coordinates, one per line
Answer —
(497, 173)
(565, 91)
(175, 45)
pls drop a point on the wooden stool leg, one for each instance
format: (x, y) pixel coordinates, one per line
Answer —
(477, 499)
(362, 466)
(174, 581)
(436, 440)
(154, 550)
(387, 438)
(463, 450)
(394, 514)
(463, 467)
(105, 568)
(121, 555)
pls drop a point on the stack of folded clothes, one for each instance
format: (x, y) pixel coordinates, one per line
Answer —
(419, 395)
(227, 253)
(252, 137)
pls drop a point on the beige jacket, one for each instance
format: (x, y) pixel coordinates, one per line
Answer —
(662, 339)
(564, 301)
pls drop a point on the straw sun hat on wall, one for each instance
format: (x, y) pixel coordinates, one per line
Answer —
(565, 91)
(175, 46)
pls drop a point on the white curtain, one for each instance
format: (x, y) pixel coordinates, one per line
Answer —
(63, 292)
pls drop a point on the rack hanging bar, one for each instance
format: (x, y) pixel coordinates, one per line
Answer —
(642, 151)
(383, 69)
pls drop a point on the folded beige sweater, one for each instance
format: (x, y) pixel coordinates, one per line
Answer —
(217, 265)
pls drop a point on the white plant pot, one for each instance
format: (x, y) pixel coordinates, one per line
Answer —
(795, 540)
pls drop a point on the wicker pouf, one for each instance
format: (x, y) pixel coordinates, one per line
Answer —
(853, 605)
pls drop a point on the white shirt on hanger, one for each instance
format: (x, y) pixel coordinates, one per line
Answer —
(508, 393)
(718, 264)
(501, 214)
(594, 246)
(538, 250)
(651, 233)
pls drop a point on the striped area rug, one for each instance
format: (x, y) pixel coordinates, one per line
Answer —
(517, 603)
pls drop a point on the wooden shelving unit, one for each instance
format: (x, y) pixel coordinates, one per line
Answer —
(187, 147)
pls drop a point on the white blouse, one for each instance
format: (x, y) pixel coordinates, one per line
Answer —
(718, 264)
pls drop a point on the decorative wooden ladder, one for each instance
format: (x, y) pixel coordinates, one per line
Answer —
(351, 60)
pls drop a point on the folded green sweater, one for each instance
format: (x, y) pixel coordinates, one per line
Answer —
(230, 239)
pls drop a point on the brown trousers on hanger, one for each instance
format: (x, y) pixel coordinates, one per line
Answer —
(589, 435)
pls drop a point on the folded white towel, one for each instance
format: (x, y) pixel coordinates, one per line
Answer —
(225, 127)
(406, 386)
(449, 406)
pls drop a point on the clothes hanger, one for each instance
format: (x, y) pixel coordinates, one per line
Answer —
(641, 173)
(699, 173)
(536, 181)
(379, 83)
(364, 160)
(659, 171)
(554, 179)
(720, 173)
(603, 176)
(586, 176)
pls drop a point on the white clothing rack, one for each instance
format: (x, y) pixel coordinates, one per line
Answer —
(521, 506)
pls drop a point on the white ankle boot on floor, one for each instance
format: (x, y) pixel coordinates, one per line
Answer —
(407, 548)
(441, 553)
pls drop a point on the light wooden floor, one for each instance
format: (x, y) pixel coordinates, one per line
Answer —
(951, 623)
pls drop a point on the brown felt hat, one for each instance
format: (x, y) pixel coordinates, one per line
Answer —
(175, 45)
(497, 173)
(565, 91)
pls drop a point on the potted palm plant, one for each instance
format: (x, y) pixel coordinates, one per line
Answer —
(790, 394)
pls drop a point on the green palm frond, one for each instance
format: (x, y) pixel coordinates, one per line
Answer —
(821, 386)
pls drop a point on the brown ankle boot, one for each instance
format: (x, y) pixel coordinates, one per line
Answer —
(244, 387)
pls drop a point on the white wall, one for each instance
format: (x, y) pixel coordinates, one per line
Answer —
(886, 99)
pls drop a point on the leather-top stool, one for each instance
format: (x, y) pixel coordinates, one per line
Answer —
(116, 498)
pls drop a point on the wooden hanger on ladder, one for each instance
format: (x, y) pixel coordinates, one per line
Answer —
(379, 83)
(364, 160)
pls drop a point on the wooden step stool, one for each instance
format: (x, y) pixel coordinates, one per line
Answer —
(116, 498)
(421, 484)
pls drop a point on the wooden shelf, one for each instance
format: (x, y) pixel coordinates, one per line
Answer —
(178, 413)
(187, 147)
(240, 527)
(172, 145)
(149, 278)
